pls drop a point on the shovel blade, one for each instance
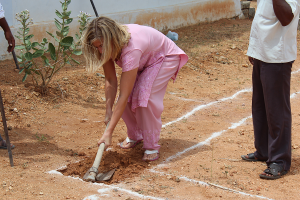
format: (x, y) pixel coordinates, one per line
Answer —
(105, 176)
(89, 176)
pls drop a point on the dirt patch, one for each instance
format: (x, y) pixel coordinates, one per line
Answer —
(127, 163)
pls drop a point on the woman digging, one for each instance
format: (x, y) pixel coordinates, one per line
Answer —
(148, 60)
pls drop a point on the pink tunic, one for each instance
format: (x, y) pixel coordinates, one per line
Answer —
(146, 50)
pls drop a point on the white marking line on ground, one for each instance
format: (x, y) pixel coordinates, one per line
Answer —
(184, 99)
(108, 188)
(214, 135)
(206, 105)
(188, 149)
(209, 184)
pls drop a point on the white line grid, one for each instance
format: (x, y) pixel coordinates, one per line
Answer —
(108, 188)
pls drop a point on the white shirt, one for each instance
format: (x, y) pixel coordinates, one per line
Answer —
(271, 42)
(1, 11)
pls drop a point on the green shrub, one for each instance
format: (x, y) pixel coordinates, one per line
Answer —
(59, 55)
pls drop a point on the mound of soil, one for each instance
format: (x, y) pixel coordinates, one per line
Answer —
(127, 162)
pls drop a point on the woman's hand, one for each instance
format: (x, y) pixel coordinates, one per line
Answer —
(106, 139)
(108, 115)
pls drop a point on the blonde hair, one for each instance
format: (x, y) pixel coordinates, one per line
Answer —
(114, 37)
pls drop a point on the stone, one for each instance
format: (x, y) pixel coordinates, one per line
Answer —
(242, 16)
(100, 75)
(245, 4)
(246, 13)
(251, 12)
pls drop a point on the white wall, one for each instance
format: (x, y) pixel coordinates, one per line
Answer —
(160, 14)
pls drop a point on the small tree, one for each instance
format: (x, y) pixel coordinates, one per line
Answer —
(60, 55)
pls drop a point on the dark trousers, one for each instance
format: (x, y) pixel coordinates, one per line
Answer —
(271, 112)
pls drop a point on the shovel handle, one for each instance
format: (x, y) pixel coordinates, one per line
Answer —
(99, 153)
(99, 156)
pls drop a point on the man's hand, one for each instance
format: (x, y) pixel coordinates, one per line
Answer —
(8, 35)
(251, 60)
(11, 41)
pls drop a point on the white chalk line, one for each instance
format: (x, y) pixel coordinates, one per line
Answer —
(214, 135)
(206, 105)
(184, 178)
(108, 187)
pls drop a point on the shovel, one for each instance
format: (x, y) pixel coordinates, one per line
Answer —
(92, 174)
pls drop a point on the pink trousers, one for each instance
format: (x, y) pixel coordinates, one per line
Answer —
(145, 123)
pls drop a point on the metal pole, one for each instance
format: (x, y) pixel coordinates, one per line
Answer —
(6, 131)
(15, 59)
(94, 8)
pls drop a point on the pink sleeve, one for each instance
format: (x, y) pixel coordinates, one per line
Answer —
(131, 60)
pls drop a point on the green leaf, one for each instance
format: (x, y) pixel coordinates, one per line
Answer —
(52, 51)
(28, 43)
(57, 40)
(38, 53)
(58, 14)
(77, 52)
(65, 31)
(24, 78)
(21, 70)
(19, 59)
(19, 47)
(57, 26)
(68, 2)
(67, 41)
(45, 40)
(68, 21)
(29, 65)
(77, 36)
(28, 56)
(34, 44)
(26, 31)
(28, 37)
(46, 60)
(63, 6)
(66, 15)
(75, 61)
(66, 48)
(59, 34)
(20, 38)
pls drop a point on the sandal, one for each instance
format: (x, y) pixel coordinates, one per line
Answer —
(130, 141)
(4, 145)
(274, 171)
(250, 157)
(148, 152)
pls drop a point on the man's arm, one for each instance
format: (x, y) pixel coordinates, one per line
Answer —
(8, 35)
(283, 12)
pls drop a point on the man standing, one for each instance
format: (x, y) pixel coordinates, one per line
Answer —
(11, 45)
(272, 51)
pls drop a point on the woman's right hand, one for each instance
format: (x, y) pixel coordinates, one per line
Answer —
(106, 139)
